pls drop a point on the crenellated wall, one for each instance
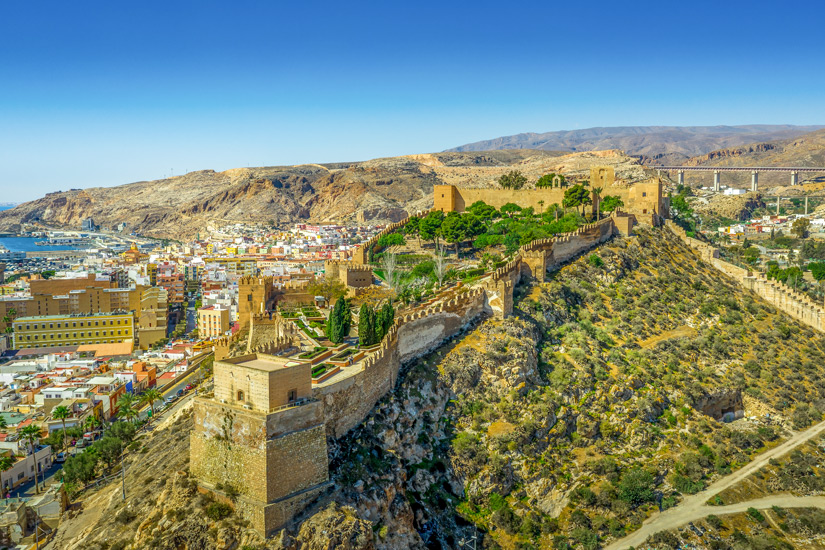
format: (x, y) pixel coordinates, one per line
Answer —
(348, 401)
(277, 458)
(796, 304)
(537, 257)
(361, 254)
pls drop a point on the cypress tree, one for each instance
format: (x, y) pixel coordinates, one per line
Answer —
(335, 325)
(384, 319)
(366, 326)
(346, 318)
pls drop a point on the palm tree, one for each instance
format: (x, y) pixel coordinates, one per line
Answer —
(6, 462)
(93, 423)
(598, 198)
(3, 423)
(541, 207)
(8, 319)
(149, 397)
(126, 406)
(62, 413)
(31, 433)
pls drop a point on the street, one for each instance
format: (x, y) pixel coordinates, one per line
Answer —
(179, 383)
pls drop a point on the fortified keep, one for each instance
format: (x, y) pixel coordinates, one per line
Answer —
(645, 200)
(261, 436)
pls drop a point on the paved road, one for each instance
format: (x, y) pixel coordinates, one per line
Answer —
(191, 320)
(693, 507)
(172, 389)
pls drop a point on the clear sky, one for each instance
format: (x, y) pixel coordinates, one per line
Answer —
(105, 93)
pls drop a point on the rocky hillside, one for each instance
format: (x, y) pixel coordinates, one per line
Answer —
(377, 191)
(602, 397)
(804, 150)
(660, 145)
(563, 426)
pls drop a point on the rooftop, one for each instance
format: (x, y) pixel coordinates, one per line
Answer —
(72, 316)
(259, 361)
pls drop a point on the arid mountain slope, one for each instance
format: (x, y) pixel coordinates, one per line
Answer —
(654, 144)
(378, 190)
(805, 150)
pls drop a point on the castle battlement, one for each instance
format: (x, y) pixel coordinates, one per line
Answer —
(264, 432)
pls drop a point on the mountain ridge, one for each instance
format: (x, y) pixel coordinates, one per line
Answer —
(375, 191)
(652, 144)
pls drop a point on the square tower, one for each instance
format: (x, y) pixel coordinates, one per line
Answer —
(261, 434)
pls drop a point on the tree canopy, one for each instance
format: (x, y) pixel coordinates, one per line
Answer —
(512, 180)
(577, 196)
(610, 203)
(800, 227)
(339, 321)
(328, 287)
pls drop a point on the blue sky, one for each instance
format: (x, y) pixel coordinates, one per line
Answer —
(105, 93)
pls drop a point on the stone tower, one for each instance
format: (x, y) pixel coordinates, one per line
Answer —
(254, 295)
(262, 436)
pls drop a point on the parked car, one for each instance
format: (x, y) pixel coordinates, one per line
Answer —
(82, 444)
(60, 458)
(171, 399)
(188, 387)
(180, 392)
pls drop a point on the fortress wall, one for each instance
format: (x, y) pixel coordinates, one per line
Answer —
(796, 304)
(361, 254)
(215, 459)
(586, 237)
(536, 257)
(459, 199)
(347, 402)
(644, 198)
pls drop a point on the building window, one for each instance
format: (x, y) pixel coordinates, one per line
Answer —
(240, 395)
(292, 396)
(644, 194)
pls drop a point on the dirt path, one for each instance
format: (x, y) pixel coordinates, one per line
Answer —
(693, 507)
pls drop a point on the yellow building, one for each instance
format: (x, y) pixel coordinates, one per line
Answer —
(152, 317)
(237, 265)
(213, 321)
(73, 330)
(152, 273)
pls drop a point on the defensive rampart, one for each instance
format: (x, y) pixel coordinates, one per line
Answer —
(348, 401)
(276, 458)
(361, 254)
(794, 303)
(537, 257)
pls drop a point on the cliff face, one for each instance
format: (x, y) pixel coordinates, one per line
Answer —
(378, 191)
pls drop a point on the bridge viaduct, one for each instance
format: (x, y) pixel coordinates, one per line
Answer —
(754, 170)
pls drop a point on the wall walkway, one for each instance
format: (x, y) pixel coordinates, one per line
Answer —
(796, 304)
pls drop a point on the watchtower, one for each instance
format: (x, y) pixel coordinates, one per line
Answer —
(262, 435)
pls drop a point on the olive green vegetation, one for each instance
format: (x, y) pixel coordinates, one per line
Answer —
(628, 341)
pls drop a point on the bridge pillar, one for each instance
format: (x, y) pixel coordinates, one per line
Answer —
(777, 205)
(794, 178)
(754, 181)
(806, 206)
(681, 177)
(716, 183)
